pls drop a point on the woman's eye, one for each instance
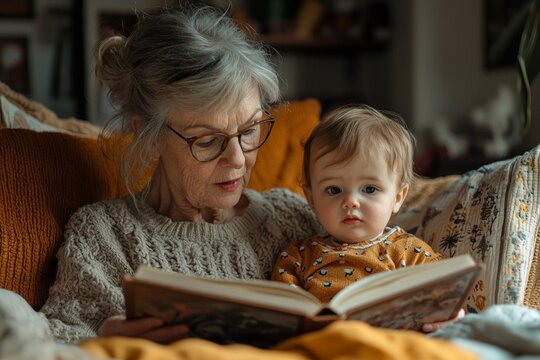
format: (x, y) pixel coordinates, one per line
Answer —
(252, 131)
(333, 190)
(370, 189)
(206, 142)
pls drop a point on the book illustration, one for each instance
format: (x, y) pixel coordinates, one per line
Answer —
(413, 309)
(220, 321)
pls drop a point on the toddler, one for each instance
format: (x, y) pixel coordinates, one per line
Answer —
(357, 172)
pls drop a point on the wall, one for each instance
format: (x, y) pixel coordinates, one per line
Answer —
(40, 36)
(99, 108)
(448, 73)
(434, 67)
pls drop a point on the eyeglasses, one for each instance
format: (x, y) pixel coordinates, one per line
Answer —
(209, 147)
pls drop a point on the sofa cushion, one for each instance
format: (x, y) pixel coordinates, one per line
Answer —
(17, 111)
(491, 213)
(532, 292)
(44, 178)
(279, 162)
(11, 116)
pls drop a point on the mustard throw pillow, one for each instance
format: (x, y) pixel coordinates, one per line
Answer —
(44, 177)
(279, 162)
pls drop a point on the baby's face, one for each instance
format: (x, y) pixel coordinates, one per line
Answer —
(353, 200)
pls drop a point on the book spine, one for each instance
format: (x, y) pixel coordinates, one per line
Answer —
(317, 322)
(129, 297)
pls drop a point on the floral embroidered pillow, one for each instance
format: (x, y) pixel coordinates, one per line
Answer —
(491, 213)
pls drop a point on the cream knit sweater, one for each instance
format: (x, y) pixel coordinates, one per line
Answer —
(107, 240)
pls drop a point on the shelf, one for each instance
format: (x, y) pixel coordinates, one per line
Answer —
(290, 43)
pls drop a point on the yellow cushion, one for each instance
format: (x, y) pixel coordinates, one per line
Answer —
(44, 177)
(279, 162)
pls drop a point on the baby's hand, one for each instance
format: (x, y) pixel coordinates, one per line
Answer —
(431, 327)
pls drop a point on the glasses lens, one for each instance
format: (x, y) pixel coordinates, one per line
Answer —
(207, 147)
(253, 137)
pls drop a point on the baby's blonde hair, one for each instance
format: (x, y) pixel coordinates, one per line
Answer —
(361, 129)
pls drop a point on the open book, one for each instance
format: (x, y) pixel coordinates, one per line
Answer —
(263, 313)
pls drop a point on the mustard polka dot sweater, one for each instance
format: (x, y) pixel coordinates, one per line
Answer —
(324, 266)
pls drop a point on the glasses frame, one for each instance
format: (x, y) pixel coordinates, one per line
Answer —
(191, 140)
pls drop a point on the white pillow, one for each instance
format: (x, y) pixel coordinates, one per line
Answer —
(14, 117)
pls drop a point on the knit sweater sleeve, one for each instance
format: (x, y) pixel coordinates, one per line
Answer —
(87, 290)
(293, 216)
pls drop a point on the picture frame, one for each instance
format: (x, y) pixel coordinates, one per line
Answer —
(14, 62)
(16, 8)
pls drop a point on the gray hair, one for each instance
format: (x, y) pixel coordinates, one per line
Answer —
(193, 58)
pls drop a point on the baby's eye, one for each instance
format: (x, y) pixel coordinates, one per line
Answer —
(370, 189)
(333, 190)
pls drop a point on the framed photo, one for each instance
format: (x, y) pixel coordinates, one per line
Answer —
(14, 63)
(17, 8)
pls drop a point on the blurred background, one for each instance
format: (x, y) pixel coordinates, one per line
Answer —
(427, 60)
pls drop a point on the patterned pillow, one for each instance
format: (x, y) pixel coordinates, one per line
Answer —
(17, 111)
(493, 214)
(13, 117)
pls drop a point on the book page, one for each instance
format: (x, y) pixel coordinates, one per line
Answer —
(410, 310)
(409, 297)
(276, 295)
(401, 278)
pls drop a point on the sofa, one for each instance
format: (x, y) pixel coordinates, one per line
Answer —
(49, 167)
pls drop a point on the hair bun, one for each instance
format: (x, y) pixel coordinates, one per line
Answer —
(112, 67)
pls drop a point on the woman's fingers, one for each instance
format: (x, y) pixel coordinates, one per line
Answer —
(147, 328)
(119, 326)
(167, 334)
(431, 327)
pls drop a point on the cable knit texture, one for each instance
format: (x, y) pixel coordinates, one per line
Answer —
(44, 178)
(107, 240)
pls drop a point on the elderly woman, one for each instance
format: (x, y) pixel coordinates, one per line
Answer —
(193, 90)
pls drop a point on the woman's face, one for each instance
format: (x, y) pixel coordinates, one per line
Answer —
(214, 184)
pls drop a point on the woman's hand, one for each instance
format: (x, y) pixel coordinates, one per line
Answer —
(147, 328)
(431, 327)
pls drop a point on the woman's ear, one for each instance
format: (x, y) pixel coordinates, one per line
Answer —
(400, 197)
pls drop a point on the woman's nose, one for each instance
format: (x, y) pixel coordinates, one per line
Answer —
(233, 154)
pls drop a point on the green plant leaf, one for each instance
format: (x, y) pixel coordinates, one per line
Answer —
(528, 62)
(524, 96)
(504, 40)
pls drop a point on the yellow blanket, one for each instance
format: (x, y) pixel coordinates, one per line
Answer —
(341, 340)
